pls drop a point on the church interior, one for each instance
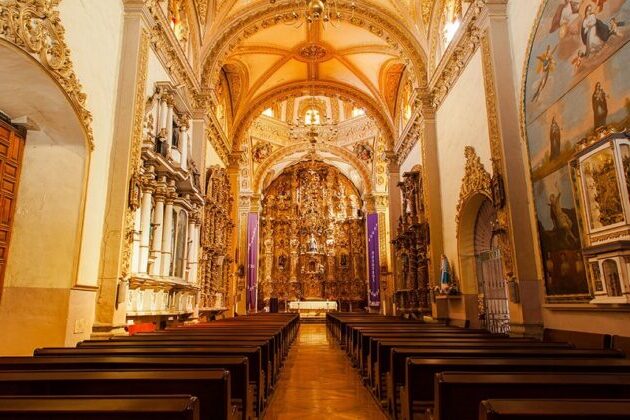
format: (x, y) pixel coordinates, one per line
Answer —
(283, 209)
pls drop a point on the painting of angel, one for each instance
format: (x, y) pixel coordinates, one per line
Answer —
(546, 64)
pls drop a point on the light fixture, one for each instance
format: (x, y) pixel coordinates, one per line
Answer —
(314, 129)
(314, 11)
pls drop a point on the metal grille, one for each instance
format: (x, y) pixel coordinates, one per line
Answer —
(495, 313)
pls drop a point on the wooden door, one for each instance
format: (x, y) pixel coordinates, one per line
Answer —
(11, 151)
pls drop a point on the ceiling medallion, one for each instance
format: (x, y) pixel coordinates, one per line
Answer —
(313, 52)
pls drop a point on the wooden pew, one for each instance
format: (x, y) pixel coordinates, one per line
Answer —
(210, 386)
(459, 394)
(242, 392)
(563, 409)
(379, 348)
(417, 393)
(256, 374)
(399, 356)
(381, 366)
(581, 340)
(268, 361)
(163, 407)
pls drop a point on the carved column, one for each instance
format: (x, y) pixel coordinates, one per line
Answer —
(145, 227)
(518, 247)
(155, 259)
(167, 239)
(183, 142)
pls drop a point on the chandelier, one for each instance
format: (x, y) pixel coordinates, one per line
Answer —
(324, 11)
(312, 126)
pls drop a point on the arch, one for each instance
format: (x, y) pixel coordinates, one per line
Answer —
(45, 250)
(312, 88)
(277, 156)
(466, 240)
(368, 15)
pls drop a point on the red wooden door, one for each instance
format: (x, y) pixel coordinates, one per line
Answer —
(11, 151)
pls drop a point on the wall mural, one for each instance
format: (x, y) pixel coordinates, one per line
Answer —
(312, 237)
(576, 85)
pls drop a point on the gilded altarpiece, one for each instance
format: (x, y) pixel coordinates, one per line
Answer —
(313, 237)
(411, 246)
(216, 273)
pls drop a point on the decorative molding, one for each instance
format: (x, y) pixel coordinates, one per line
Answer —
(136, 149)
(280, 154)
(476, 180)
(457, 55)
(35, 27)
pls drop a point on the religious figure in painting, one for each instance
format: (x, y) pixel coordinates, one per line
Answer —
(561, 221)
(546, 64)
(565, 14)
(595, 33)
(554, 139)
(600, 106)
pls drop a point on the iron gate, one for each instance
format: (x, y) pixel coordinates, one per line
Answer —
(493, 300)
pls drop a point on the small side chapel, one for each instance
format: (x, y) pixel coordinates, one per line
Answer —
(263, 186)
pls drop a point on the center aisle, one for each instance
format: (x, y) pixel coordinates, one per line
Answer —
(318, 382)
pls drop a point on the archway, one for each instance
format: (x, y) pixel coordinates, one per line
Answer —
(43, 255)
(494, 312)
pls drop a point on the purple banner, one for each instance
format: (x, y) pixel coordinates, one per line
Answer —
(252, 261)
(374, 265)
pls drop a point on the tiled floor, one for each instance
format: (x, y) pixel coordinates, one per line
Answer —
(318, 382)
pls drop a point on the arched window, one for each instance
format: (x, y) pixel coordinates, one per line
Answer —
(358, 112)
(268, 112)
(180, 244)
(312, 117)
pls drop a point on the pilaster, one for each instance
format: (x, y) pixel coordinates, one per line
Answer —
(518, 248)
(125, 155)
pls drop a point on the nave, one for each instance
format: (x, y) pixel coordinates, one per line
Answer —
(318, 380)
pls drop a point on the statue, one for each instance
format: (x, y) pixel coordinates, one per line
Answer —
(445, 274)
(312, 244)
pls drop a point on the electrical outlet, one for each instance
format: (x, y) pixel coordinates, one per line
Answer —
(79, 326)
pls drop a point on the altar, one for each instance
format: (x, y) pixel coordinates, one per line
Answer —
(312, 308)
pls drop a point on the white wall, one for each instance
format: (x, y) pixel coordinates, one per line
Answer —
(461, 121)
(94, 35)
(414, 158)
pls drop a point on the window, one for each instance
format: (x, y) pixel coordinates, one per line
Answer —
(358, 112)
(311, 117)
(450, 29)
(268, 112)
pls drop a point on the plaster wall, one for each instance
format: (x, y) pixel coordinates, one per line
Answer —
(461, 121)
(94, 34)
(414, 158)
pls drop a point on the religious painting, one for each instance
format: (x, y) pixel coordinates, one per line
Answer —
(603, 197)
(576, 85)
(261, 151)
(573, 38)
(557, 219)
(363, 151)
